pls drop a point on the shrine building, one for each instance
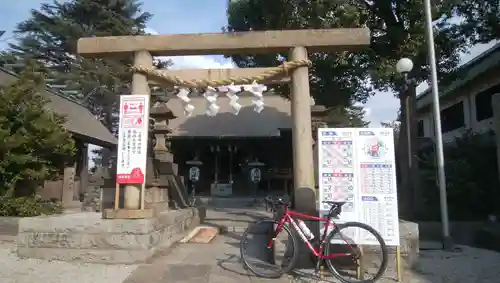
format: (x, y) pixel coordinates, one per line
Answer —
(226, 144)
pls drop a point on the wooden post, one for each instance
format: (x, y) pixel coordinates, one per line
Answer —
(84, 170)
(139, 86)
(360, 269)
(303, 166)
(399, 269)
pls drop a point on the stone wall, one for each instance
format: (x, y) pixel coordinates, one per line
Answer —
(8, 229)
(91, 199)
(408, 243)
(85, 237)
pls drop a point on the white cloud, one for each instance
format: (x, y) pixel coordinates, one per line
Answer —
(196, 62)
(200, 62)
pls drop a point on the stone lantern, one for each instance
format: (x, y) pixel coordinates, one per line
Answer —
(318, 114)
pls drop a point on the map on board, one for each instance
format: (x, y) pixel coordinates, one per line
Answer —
(357, 166)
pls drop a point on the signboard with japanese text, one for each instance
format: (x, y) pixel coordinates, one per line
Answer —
(357, 166)
(132, 139)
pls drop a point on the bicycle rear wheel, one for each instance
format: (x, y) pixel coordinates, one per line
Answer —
(344, 268)
(263, 261)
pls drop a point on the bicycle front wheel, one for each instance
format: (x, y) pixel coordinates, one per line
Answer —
(374, 257)
(268, 262)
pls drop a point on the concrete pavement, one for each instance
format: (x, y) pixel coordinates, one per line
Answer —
(219, 261)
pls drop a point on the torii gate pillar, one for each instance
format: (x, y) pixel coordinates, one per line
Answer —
(303, 165)
(140, 85)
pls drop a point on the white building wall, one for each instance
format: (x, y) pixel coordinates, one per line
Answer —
(469, 104)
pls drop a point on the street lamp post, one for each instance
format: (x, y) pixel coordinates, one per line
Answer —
(411, 176)
(405, 66)
(429, 32)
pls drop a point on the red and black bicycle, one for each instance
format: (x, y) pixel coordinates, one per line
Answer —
(335, 247)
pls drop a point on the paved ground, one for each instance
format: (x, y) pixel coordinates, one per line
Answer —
(219, 261)
(16, 270)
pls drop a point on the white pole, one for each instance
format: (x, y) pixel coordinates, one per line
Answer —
(447, 241)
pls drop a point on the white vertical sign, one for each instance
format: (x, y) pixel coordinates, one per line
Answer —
(133, 139)
(357, 166)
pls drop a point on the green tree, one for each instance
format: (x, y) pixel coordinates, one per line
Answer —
(397, 30)
(479, 20)
(50, 34)
(351, 116)
(33, 142)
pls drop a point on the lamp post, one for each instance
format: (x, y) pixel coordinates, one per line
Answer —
(404, 66)
(411, 175)
(429, 32)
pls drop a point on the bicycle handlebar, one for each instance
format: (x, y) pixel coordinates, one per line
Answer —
(275, 202)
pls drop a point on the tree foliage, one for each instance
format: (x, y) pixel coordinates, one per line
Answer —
(351, 116)
(33, 142)
(397, 30)
(479, 20)
(50, 35)
(471, 178)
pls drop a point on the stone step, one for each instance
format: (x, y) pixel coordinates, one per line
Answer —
(4, 238)
(234, 219)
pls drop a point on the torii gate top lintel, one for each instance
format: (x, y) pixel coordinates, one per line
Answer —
(251, 42)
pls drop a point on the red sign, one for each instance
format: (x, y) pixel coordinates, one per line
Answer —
(133, 106)
(134, 177)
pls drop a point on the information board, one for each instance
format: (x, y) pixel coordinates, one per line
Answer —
(132, 139)
(357, 166)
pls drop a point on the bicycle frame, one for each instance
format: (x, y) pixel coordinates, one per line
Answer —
(288, 217)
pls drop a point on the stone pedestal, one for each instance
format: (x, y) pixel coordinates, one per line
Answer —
(86, 237)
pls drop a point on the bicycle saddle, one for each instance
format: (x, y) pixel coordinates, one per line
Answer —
(334, 203)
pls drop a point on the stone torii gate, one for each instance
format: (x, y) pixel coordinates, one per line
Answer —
(296, 42)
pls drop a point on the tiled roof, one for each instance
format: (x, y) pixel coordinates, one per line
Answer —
(79, 120)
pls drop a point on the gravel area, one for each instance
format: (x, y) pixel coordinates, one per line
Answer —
(15, 270)
(467, 265)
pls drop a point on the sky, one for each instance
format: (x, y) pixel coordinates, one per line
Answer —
(198, 16)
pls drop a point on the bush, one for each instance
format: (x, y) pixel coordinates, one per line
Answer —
(471, 179)
(33, 142)
(28, 206)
